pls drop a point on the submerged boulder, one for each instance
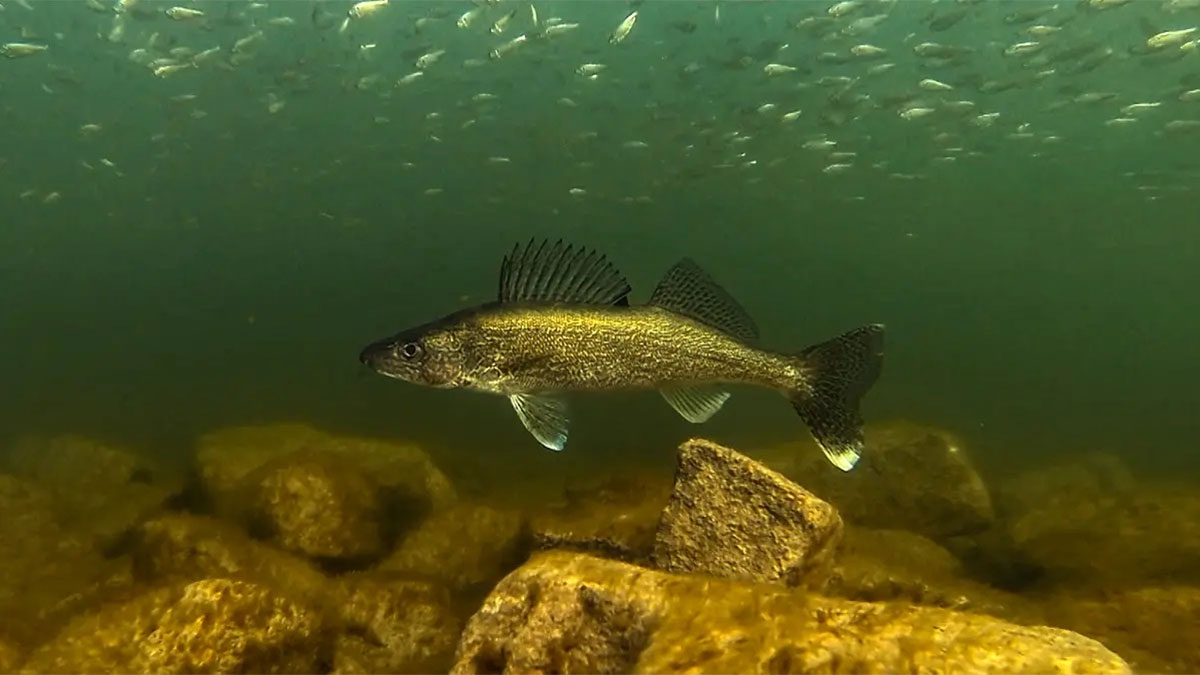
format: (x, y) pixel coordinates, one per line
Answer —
(616, 519)
(1084, 477)
(1086, 522)
(910, 477)
(99, 490)
(46, 570)
(213, 625)
(376, 621)
(887, 565)
(318, 494)
(466, 546)
(310, 504)
(568, 612)
(180, 547)
(390, 624)
(730, 516)
(1153, 628)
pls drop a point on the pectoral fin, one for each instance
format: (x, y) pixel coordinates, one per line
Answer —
(695, 403)
(545, 417)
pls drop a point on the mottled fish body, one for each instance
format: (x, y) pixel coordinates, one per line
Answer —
(598, 348)
(563, 323)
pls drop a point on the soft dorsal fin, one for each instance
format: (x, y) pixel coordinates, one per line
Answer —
(560, 272)
(688, 290)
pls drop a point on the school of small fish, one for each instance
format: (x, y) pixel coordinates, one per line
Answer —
(623, 99)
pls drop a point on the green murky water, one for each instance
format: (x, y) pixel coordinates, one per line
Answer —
(212, 244)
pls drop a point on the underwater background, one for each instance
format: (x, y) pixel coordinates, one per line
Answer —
(207, 209)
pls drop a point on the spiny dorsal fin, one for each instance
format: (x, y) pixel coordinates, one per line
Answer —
(560, 272)
(688, 290)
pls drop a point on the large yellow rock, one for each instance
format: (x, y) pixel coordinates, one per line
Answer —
(209, 626)
(572, 613)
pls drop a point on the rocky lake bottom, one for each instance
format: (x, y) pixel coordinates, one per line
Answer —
(283, 548)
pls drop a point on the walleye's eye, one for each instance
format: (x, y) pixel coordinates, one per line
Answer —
(410, 350)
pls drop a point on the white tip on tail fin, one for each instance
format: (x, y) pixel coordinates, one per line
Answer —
(838, 373)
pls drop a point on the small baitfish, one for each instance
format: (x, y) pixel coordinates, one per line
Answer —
(563, 323)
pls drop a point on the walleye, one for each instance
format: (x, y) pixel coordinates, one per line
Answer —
(563, 323)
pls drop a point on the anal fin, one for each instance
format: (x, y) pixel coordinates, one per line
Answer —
(695, 403)
(545, 416)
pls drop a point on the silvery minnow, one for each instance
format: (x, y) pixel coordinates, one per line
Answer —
(563, 323)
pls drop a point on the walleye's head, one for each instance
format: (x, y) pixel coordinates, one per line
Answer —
(431, 355)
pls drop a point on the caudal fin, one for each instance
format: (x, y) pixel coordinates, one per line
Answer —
(837, 375)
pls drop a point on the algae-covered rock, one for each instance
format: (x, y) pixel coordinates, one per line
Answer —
(465, 546)
(884, 565)
(214, 625)
(99, 490)
(617, 518)
(304, 485)
(568, 612)
(1086, 522)
(46, 570)
(393, 625)
(312, 505)
(181, 547)
(910, 477)
(730, 516)
(1155, 628)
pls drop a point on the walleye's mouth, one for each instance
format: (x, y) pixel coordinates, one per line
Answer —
(376, 356)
